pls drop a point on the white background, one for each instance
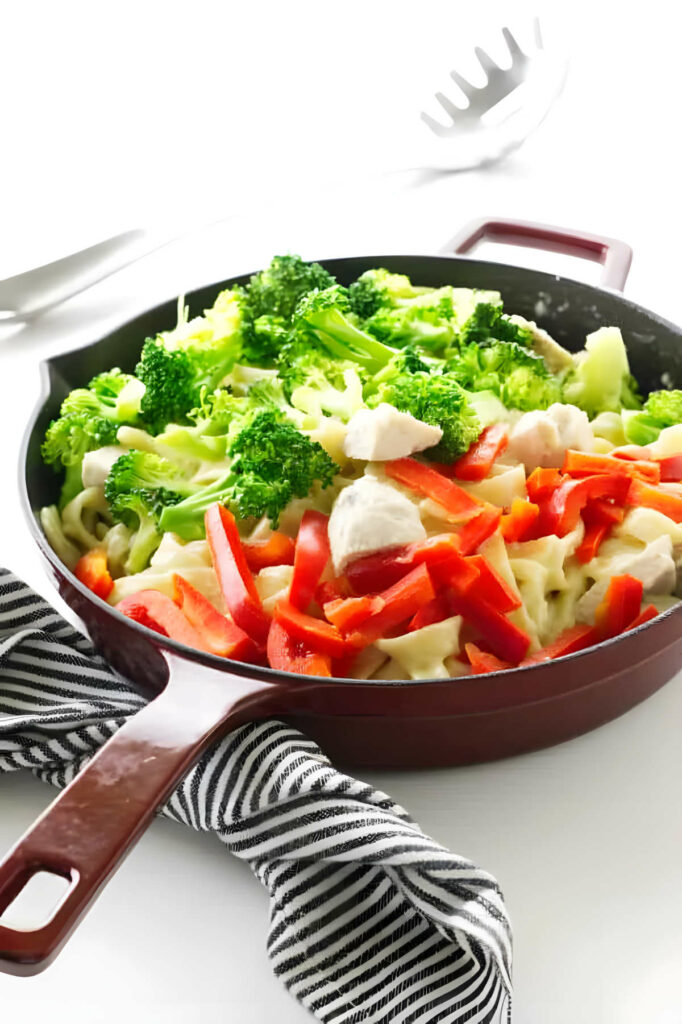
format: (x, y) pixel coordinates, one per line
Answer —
(294, 125)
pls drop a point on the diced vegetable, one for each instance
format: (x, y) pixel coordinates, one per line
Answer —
(620, 607)
(314, 633)
(348, 613)
(560, 513)
(504, 639)
(655, 497)
(400, 602)
(435, 611)
(478, 461)
(542, 482)
(278, 549)
(478, 529)
(312, 555)
(221, 636)
(516, 524)
(576, 638)
(646, 615)
(288, 654)
(580, 464)
(671, 468)
(91, 569)
(492, 588)
(428, 481)
(483, 661)
(155, 610)
(372, 573)
(234, 575)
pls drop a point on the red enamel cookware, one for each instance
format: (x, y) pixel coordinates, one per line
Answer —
(88, 829)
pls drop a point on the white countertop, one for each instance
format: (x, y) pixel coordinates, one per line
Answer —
(585, 838)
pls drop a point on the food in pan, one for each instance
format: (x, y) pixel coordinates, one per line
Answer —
(379, 481)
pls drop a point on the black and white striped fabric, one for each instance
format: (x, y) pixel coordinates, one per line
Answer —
(371, 921)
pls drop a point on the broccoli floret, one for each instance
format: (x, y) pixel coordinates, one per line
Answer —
(139, 487)
(326, 315)
(431, 326)
(276, 291)
(665, 407)
(488, 323)
(379, 288)
(601, 380)
(67, 440)
(661, 409)
(273, 462)
(177, 364)
(264, 338)
(437, 399)
(113, 394)
(516, 375)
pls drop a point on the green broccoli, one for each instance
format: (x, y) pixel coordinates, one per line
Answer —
(276, 291)
(661, 409)
(67, 440)
(113, 394)
(516, 375)
(437, 399)
(488, 323)
(272, 462)
(416, 323)
(263, 338)
(600, 380)
(380, 289)
(176, 365)
(327, 317)
(139, 487)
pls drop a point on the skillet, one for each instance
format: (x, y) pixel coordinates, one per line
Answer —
(85, 833)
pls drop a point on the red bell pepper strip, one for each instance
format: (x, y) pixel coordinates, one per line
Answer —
(278, 549)
(595, 534)
(516, 524)
(220, 635)
(332, 590)
(542, 482)
(482, 661)
(620, 607)
(373, 573)
(155, 610)
(478, 529)
(312, 555)
(429, 482)
(630, 451)
(560, 513)
(646, 615)
(234, 575)
(441, 554)
(654, 497)
(671, 468)
(314, 633)
(497, 632)
(400, 602)
(348, 613)
(579, 464)
(287, 654)
(478, 461)
(492, 588)
(576, 638)
(434, 611)
(92, 570)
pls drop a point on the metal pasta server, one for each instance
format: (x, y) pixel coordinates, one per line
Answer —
(88, 829)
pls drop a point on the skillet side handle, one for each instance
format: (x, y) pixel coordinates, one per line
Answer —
(85, 833)
(614, 255)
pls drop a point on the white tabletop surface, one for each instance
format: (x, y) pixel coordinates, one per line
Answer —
(134, 113)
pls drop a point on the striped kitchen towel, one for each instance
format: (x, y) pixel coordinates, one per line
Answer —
(371, 921)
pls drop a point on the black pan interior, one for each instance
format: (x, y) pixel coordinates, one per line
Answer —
(569, 310)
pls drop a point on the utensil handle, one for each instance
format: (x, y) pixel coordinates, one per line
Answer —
(85, 833)
(614, 255)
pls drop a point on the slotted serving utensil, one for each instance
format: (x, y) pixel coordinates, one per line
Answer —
(500, 114)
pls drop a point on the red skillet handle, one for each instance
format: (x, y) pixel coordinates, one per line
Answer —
(615, 256)
(86, 832)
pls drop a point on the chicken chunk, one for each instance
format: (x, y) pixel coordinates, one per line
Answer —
(369, 516)
(541, 437)
(97, 465)
(386, 433)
